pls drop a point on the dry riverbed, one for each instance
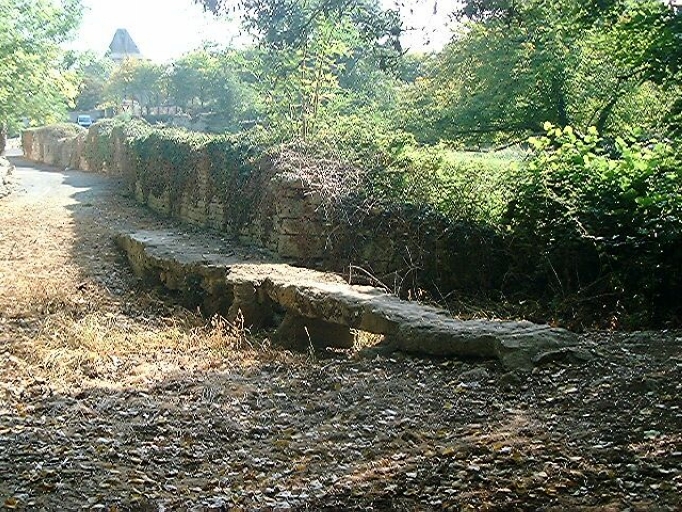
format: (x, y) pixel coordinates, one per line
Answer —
(112, 398)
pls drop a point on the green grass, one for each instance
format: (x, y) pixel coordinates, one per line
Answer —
(465, 185)
(490, 159)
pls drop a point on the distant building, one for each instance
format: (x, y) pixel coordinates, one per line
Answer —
(123, 47)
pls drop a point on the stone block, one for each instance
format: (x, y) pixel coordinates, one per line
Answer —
(302, 226)
(139, 192)
(249, 305)
(321, 308)
(301, 247)
(160, 204)
(293, 208)
(298, 333)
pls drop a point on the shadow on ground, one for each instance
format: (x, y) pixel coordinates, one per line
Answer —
(192, 425)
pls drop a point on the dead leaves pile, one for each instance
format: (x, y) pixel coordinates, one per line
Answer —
(385, 434)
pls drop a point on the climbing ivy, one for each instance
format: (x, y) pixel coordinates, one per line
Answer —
(166, 160)
(238, 170)
(187, 166)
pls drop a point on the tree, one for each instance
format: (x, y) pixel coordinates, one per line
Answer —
(146, 85)
(283, 24)
(216, 82)
(518, 64)
(191, 78)
(136, 80)
(311, 50)
(91, 74)
(652, 47)
(31, 84)
(233, 92)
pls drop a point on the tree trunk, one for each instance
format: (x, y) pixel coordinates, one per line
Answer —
(3, 138)
(562, 110)
(606, 113)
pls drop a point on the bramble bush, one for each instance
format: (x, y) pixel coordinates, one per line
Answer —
(462, 186)
(599, 226)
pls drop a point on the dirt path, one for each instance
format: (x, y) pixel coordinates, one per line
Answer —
(112, 399)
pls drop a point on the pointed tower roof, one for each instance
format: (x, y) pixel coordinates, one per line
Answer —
(122, 46)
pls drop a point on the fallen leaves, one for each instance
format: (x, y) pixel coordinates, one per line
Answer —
(113, 400)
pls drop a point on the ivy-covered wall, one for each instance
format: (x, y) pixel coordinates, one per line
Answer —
(224, 183)
(295, 206)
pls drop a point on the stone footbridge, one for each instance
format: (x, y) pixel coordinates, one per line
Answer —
(320, 309)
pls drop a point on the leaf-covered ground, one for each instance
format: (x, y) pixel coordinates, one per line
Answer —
(112, 399)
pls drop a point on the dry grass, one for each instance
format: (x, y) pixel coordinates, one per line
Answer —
(70, 315)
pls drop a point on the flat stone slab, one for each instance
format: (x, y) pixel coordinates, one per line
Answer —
(321, 309)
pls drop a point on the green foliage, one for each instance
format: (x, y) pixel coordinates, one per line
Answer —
(319, 58)
(190, 78)
(462, 186)
(31, 82)
(238, 169)
(466, 187)
(106, 135)
(98, 146)
(362, 140)
(136, 80)
(289, 24)
(589, 226)
(165, 161)
(219, 82)
(601, 221)
(90, 74)
(58, 130)
(521, 63)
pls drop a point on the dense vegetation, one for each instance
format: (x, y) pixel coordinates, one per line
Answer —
(553, 124)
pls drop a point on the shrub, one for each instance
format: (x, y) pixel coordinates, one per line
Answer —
(602, 223)
(463, 186)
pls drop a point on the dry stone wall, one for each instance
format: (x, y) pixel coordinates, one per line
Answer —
(286, 217)
(282, 208)
(59, 145)
(308, 307)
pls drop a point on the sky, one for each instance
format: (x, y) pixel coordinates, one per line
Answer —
(162, 29)
(166, 29)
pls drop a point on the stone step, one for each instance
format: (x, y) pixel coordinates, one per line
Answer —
(309, 307)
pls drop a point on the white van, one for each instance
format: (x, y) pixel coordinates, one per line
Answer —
(84, 120)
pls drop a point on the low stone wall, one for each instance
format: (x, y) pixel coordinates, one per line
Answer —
(60, 145)
(6, 182)
(317, 309)
(282, 205)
